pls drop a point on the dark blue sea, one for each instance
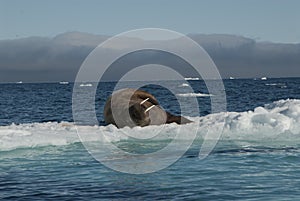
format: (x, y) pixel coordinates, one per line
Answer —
(256, 158)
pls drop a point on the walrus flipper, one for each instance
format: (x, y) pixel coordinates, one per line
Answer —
(177, 119)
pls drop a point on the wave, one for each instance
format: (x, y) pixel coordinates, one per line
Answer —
(194, 95)
(274, 84)
(275, 124)
(281, 85)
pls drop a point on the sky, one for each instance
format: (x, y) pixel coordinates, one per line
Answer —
(245, 38)
(268, 20)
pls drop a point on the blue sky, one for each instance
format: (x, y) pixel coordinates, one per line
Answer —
(263, 20)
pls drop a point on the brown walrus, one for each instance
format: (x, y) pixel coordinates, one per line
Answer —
(130, 107)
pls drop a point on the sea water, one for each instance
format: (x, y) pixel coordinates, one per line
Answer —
(256, 157)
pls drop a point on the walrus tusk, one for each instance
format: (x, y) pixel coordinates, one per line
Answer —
(144, 101)
(149, 108)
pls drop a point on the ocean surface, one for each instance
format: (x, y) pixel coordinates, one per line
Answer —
(256, 158)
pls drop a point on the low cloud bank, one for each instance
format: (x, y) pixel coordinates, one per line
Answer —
(38, 59)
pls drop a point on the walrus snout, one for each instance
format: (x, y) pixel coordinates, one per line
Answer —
(138, 114)
(137, 108)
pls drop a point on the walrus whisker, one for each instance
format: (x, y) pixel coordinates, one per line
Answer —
(149, 108)
(144, 101)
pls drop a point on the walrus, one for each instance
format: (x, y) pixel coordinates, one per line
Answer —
(131, 107)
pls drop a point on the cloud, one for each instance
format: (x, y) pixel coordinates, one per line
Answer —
(38, 59)
(243, 57)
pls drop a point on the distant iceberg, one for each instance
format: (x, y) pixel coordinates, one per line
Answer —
(85, 85)
(264, 78)
(192, 78)
(63, 82)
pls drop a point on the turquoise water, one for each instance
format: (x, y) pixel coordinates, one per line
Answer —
(69, 172)
(257, 157)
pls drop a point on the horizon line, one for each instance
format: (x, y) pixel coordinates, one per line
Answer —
(109, 36)
(104, 81)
